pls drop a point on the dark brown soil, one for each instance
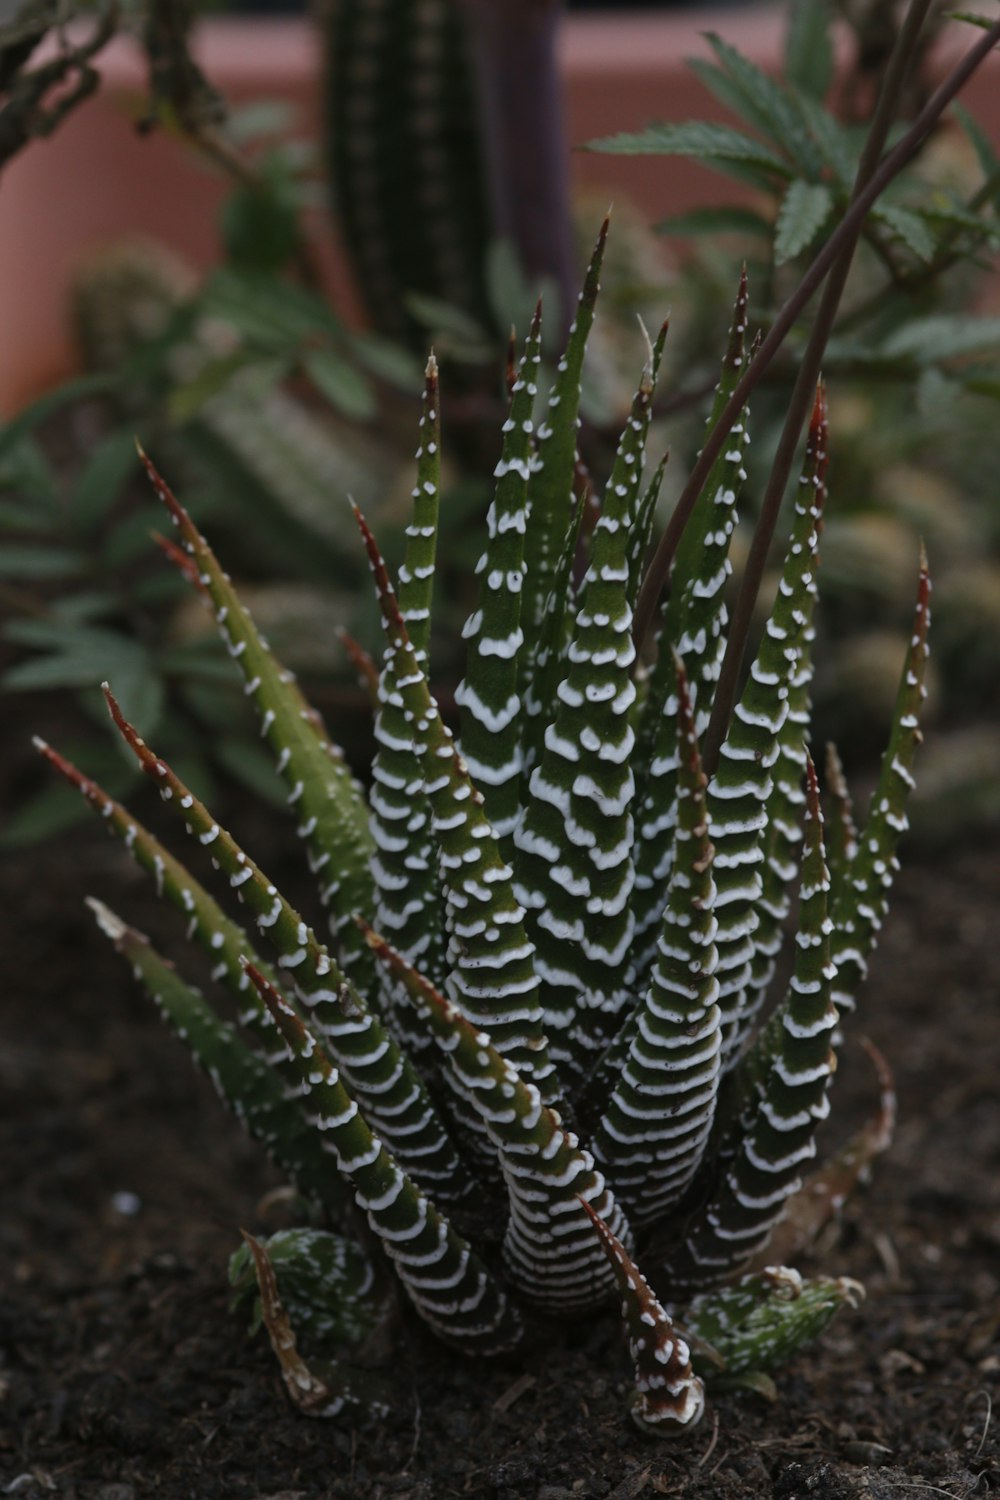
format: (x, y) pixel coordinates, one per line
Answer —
(124, 1375)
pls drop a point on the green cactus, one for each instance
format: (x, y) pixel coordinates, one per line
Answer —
(533, 1048)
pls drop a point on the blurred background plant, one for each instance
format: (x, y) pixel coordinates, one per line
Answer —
(446, 166)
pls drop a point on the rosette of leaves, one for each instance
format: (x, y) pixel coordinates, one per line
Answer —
(538, 1043)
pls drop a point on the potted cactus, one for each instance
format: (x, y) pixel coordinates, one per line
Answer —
(539, 1050)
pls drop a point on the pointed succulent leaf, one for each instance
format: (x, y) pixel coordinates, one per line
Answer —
(416, 575)
(492, 978)
(762, 1320)
(488, 694)
(381, 1078)
(207, 923)
(551, 482)
(824, 1192)
(548, 1247)
(404, 864)
(548, 664)
(318, 1390)
(573, 863)
(362, 662)
(765, 1170)
(739, 794)
(783, 834)
(643, 528)
(445, 1280)
(654, 1131)
(863, 900)
(327, 1283)
(244, 1081)
(842, 838)
(323, 792)
(693, 626)
(669, 1396)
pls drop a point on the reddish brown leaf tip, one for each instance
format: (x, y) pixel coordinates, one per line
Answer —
(128, 731)
(669, 1396)
(181, 560)
(813, 809)
(67, 770)
(383, 587)
(280, 1010)
(178, 513)
(360, 659)
(880, 1129)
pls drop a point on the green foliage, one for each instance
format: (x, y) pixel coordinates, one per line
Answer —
(538, 1017)
(82, 601)
(803, 156)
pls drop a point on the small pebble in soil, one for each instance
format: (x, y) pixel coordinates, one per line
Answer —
(126, 1204)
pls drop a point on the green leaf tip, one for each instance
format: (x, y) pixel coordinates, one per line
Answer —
(669, 1397)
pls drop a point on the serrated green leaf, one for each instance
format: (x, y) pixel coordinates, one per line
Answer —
(809, 47)
(989, 161)
(343, 385)
(717, 146)
(927, 340)
(725, 220)
(804, 210)
(971, 17)
(764, 103)
(111, 464)
(907, 225)
(945, 213)
(838, 145)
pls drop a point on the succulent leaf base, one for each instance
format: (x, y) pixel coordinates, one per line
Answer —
(539, 1043)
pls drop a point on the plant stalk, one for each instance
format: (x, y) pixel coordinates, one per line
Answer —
(803, 391)
(659, 569)
(514, 50)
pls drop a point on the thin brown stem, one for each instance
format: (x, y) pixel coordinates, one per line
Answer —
(909, 144)
(946, 255)
(804, 389)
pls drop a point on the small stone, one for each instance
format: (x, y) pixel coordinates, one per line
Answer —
(127, 1204)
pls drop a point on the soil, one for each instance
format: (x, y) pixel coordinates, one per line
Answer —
(123, 1374)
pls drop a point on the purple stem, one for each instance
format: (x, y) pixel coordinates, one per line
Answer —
(514, 54)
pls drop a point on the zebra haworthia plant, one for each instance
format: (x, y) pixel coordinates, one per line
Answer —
(540, 1041)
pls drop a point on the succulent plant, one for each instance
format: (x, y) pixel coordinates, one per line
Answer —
(540, 1041)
